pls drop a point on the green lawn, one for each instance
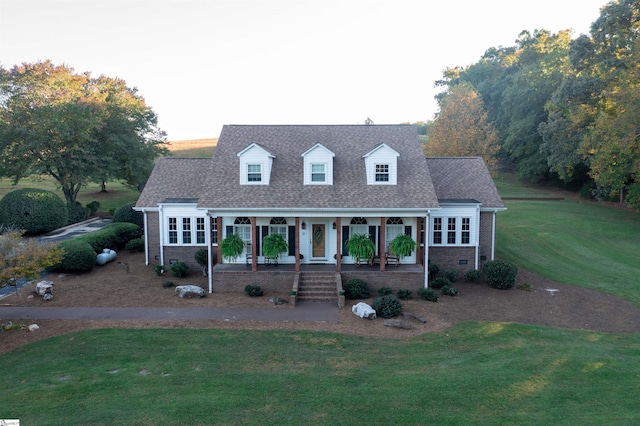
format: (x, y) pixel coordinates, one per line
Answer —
(472, 374)
(583, 244)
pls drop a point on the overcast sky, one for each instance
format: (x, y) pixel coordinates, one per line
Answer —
(201, 64)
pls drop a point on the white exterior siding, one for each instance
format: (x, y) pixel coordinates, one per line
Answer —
(175, 216)
(318, 155)
(382, 156)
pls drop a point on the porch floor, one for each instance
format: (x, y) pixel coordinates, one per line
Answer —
(237, 267)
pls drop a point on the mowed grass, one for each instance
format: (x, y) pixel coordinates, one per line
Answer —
(472, 374)
(584, 244)
(117, 193)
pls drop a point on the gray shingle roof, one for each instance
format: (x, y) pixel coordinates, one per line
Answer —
(174, 179)
(349, 189)
(456, 178)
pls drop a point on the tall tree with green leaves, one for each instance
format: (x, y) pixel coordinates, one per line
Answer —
(462, 128)
(74, 128)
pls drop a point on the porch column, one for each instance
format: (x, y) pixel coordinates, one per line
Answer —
(254, 239)
(297, 249)
(418, 235)
(338, 245)
(219, 227)
(382, 248)
(426, 251)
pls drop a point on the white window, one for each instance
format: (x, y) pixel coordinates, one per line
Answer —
(458, 231)
(278, 225)
(318, 173)
(394, 228)
(181, 231)
(242, 227)
(254, 173)
(382, 173)
(214, 231)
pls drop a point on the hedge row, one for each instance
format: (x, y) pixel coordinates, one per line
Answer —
(80, 252)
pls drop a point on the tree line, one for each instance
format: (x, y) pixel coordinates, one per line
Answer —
(553, 108)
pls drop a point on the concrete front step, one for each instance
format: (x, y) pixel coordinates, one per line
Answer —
(314, 286)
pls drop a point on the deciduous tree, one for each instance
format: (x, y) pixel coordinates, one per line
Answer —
(24, 258)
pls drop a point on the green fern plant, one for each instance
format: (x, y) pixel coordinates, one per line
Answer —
(273, 245)
(402, 245)
(231, 247)
(360, 247)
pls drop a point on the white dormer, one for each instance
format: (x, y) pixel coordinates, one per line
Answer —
(255, 165)
(382, 165)
(318, 165)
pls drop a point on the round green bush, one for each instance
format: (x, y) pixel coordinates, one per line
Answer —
(440, 282)
(404, 294)
(179, 269)
(500, 273)
(472, 275)
(135, 245)
(93, 207)
(76, 213)
(434, 269)
(36, 211)
(387, 306)
(428, 294)
(383, 291)
(451, 275)
(126, 213)
(356, 289)
(78, 256)
(449, 291)
(253, 290)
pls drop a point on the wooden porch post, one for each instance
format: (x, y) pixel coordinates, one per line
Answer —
(219, 225)
(338, 245)
(418, 234)
(383, 249)
(297, 250)
(254, 238)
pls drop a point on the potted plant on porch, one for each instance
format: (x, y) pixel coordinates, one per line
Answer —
(231, 247)
(402, 245)
(273, 245)
(360, 247)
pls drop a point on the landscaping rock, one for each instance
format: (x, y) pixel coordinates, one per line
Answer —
(397, 324)
(190, 291)
(416, 317)
(44, 287)
(33, 327)
(363, 310)
(277, 301)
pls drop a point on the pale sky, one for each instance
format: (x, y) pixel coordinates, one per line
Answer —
(202, 64)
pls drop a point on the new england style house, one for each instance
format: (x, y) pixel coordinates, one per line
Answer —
(316, 185)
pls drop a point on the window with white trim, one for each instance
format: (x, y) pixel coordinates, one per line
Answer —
(382, 173)
(318, 173)
(359, 226)
(181, 230)
(242, 227)
(394, 228)
(254, 173)
(278, 225)
(458, 231)
(214, 231)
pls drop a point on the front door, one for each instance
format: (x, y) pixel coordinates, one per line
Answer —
(318, 240)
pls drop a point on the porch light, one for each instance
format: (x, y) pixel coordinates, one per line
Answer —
(303, 226)
(334, 225)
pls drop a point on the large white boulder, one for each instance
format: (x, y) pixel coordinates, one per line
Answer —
(363, 310)
(189, 291)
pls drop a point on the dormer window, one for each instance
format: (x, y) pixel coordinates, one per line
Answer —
(381, 164)
(318, 173)
(318, 165)
(254, 173)
(382, 173)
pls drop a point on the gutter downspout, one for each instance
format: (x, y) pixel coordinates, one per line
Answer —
(210, 261)
(426, 250)
(493, 236)
(477, 260)
(146, 238)
(160, 222)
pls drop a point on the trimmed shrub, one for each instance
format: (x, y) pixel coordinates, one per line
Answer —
(428, 294)
(36, 211)
(440, 282)
(387, 306)
(179, 269)
(78, 256)
(167, 284)
(434, 269)
(202, 258)
(356, 289)
(135, 245)
(127, 214)
(451, 275)
(449, 291)
(93, 207)
(383, 291)
(472, 275)
(112, 236)
(76, 213)
(404, 294)
(500, 273)
(253, 290)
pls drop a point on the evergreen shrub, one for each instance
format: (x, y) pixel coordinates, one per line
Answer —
(76, 213)
(449, 291)
(253, 290)
(383, 291)
(451, 275)
(428, 294)
(36, 211)
(387, 306)
(404, 294)
(356, 289)
(77, 256)
(440, 282)
(127, 214)
(472, 275)
(179, 269)
(500, 273)
(135, 245)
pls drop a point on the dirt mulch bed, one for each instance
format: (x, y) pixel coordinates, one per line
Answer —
(127, 282)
